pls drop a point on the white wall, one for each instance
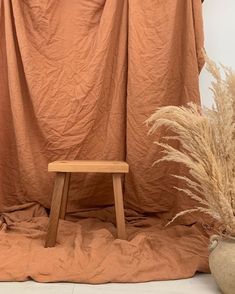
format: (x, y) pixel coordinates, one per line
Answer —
(219, 30)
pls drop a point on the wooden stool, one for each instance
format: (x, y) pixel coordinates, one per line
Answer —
(63, 170)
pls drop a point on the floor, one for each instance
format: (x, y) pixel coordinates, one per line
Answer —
(201, 283)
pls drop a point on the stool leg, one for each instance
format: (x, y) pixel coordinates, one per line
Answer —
(65, 196)
(55, 209)
(119, 208)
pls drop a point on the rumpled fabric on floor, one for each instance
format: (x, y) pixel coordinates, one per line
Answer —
(88, 252)
(78, 79)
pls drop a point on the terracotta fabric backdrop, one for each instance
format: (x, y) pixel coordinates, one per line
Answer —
(78, 79)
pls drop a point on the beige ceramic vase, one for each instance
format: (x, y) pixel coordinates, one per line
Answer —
(222, 262)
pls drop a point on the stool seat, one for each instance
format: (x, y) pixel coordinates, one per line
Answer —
(88, 166)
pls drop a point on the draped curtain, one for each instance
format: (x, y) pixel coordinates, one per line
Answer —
(78, 80)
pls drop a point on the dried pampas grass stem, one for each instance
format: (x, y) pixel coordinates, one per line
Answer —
(207, 139)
